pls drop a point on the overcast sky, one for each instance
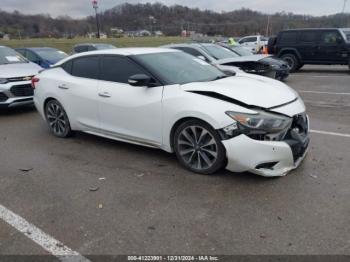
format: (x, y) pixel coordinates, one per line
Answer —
(81, 8)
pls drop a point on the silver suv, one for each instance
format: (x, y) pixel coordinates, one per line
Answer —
(15, 78)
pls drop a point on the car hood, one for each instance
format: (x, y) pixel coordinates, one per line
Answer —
(19, 70)
(249, 58)
(252, 90)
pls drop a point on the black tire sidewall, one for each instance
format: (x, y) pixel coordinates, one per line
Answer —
(221, 159)
(68, 131)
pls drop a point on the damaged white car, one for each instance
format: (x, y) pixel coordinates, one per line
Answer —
(170, 100)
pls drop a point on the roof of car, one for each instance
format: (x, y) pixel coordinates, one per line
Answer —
(121, 51)
(91, 44)
(37, 48)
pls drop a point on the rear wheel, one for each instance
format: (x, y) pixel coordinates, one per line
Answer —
(292, 61)
(57, 119)
(198, 147)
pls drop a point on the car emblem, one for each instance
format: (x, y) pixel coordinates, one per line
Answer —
(27, 78)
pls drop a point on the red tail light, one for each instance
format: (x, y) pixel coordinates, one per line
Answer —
(34, 81)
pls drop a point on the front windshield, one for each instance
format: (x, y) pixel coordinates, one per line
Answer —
(104, 46)
(241, 51)
(218, 52)
(10, 56)
(179, 68)
(51, 55)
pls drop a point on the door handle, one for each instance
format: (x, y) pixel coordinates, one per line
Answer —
(64, 87)
(104, 94)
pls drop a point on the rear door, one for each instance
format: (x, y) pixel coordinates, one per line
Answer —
(78, 91)
(308, 44)
(332, 47)
(132, 113)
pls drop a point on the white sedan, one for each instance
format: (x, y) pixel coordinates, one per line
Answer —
(167, 99)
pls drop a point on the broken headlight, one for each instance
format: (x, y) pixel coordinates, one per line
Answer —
(262, 121)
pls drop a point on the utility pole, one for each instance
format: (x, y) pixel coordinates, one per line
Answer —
(344, 6)
(95, 6)
(268, 26)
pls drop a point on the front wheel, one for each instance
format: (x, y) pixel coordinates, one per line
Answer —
(198, 147)
(57, 119)
(292, 61)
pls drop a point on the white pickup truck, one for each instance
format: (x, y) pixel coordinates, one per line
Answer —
(254, 43)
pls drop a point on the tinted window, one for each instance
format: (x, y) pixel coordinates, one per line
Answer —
(331, 37)
(79, 49)
(218, 52)
(190, 51)
(68, 67)
(118, 69)
(87, 67)
(31, 56)
(308, 37)
(288, 37)
(249, 40)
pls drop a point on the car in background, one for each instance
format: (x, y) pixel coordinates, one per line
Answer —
(16, 74)
(170, 100)
(225, 59)
(80, 48)
(317, 46)
(43, 56)
(254, 43)
(281, 67)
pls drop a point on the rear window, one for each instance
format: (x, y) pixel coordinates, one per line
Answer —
(308, 36)
(86, 67)
(288, 37)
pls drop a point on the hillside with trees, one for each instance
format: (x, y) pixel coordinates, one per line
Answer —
(171, 20)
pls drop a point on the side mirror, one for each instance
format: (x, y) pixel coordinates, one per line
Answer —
(139, 80)
(201, 57)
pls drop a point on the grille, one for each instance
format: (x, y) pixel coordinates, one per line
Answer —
(3, 97)
(22, 90)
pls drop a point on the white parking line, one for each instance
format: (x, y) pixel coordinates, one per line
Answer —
(53, 246)
(330, 133)
(325, 93)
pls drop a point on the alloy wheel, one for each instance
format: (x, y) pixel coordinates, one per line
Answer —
(57, 119)
(197, 147)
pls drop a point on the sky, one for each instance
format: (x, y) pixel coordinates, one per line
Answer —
(82, 8)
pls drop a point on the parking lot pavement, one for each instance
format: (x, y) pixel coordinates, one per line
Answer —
(99, 196)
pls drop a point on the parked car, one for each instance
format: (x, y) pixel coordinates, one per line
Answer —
(16, 74)
(167, 99)
(224, 59)
(253, 43)
(312, 46)
(43, 56)
(80, 48)
(281, 67)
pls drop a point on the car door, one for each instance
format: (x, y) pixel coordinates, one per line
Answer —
(128, 112)
(332, 47)
(307, 45)
(77, 90)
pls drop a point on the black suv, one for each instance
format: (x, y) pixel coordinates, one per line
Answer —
(297, 47)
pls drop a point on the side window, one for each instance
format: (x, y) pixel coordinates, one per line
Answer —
(248, 40)
(87, 67)
(308, 37)
(21, 51)
(91, 48)
(118, 69)
(288, 37)
(330, 38)
(80, 49)
(68, 67)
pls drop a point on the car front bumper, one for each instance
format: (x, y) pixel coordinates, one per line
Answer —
(248, 155)
(15, 94)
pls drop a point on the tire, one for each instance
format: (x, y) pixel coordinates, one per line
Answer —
(292, 60)
(57, 119)
(198, 147)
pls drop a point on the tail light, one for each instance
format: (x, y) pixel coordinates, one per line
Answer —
(34, 81)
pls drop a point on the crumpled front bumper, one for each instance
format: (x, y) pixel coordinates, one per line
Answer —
(247, 155)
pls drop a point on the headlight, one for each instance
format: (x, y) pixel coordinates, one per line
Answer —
(261, 121)
(3, 80)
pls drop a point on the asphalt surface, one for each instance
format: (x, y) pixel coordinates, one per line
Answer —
(147, 204)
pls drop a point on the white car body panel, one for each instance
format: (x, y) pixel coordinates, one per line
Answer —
(146, 116)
